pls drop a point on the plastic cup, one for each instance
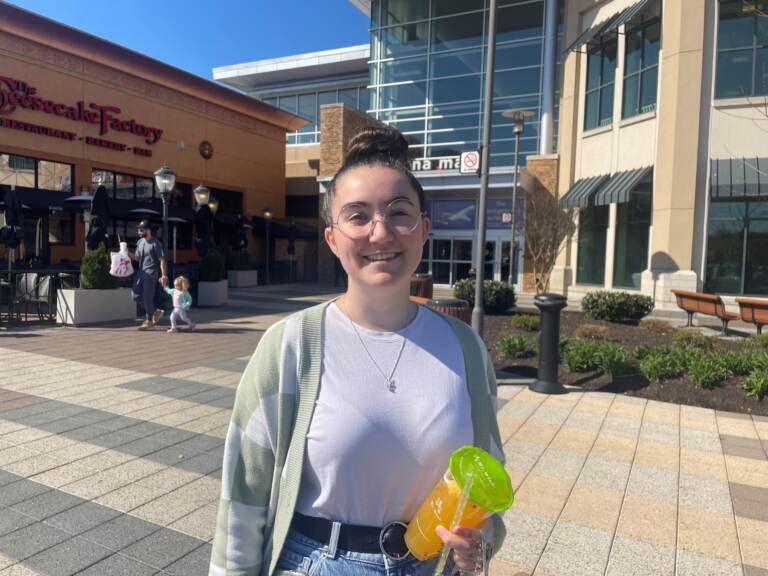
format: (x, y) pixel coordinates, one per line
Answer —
(491, 491)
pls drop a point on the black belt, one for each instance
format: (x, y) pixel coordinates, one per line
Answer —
(389, 540)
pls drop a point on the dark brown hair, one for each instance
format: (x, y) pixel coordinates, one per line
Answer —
(379, 146)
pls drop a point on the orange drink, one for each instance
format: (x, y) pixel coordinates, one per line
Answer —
(491, 491)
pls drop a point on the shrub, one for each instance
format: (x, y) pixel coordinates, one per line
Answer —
(613, 359)
(660, 364)
(591, 331)
(732, 363)
(581, 355)
(526, 322)
(693, 339)
(707, 372)
(515, 346)
(753, 360)
(212, 268)
(498, 296)
(643, 351)
(239, 261)
(616, 306)
(656, 326)
(759, 341)
(685, 356)
(563, 344)
(756, 384)
(94, 270)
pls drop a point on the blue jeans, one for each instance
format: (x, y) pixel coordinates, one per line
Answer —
(302, 555)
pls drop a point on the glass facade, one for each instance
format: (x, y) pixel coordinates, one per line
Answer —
(737, 248)
(590, 259)
(742, 49)
(601, 73)
(427, 73)
(641, 68)
(633, 221)
(308, 106)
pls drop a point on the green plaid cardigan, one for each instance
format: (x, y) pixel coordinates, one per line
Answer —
(264, 450)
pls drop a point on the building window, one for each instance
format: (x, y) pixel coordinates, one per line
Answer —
(61, 229)
(736, 247)
(590, 259)
(27, 172)
(54, 176)
(633, 221)
(742, 49)
(641, 68)
(601, 73)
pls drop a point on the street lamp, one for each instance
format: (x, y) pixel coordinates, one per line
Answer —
(267, 212)
(213, 204)
(518, 117)
(202, 194)
(165, 178)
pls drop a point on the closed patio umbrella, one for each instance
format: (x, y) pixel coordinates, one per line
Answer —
(100, 215)
(11, 233)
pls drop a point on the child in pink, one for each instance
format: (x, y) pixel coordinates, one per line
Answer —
(182, 300)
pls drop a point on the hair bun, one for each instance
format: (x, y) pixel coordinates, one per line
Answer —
(377, 144)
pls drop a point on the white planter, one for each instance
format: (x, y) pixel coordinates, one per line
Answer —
(212, 293)
(77, 307)
(243, 278)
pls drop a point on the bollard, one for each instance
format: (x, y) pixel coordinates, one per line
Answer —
(549, 344)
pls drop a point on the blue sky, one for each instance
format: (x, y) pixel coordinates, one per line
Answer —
(197, 35)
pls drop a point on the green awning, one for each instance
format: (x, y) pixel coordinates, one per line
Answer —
(610, 24)
(620, 186)
(582, 191)
(739, 178)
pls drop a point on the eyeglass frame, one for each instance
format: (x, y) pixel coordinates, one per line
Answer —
(382, 219)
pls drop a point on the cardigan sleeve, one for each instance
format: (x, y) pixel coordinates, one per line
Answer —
(249, 464)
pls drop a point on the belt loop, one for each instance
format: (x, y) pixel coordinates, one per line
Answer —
(332, 545)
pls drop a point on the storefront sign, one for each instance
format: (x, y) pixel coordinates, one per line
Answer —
(427, 164)
(16, 94)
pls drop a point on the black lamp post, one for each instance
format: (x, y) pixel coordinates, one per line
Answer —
(267, 211)
(165, 178)
(518, 117)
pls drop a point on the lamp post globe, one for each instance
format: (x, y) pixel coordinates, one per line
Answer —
(213, 204)
(267, 212)
(165, 179)
(518, 118)
(202, 195)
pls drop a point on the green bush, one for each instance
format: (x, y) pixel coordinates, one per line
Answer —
(693, 339)
(753, 360)
(613, 359)
(660, 364)
(94, 270)
(707, 372)
(759, 341)
(498, 296)
(643, 351)
(685, 356)
(526, 322)
(732, 363)
(239, 261)
(212, 268)
(591, 331)
(756, 384)
(563, 344)
(515, 346)
(616, 306)
(582, 355)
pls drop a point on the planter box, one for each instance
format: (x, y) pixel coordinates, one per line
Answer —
(212, 293)
(243, 278)
(76, 307)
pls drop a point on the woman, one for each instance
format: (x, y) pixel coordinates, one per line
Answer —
(348, 412)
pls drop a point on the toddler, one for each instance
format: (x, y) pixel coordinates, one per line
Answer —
(182, 300)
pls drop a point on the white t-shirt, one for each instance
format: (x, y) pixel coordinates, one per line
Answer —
(373, 455)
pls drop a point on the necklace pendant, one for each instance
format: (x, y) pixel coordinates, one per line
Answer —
(391, 385)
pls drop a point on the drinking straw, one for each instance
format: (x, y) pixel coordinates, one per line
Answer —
(463, 498)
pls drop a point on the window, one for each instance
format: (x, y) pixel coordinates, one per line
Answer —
(54, 176)
(308, 110)
(601, 72)
(457, 63)
(145, 189)
(405, 40)
(455, 32)
(590, 259)
(405, 69)
(633, 220)
(21, 163)
(27, 172)
(742, 49)
(16, 171)
(641, 68)
(456, 89)
(348, 97)
(401, 11)
(124, 185)
(61, 228)
(520, 22)
(736, 248)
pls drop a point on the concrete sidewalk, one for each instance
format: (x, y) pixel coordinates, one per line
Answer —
(111, 443)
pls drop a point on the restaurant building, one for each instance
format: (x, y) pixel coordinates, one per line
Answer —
(663, 149)
(77, 111)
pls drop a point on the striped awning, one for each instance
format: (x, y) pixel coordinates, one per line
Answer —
(620, 186)
(739, 178)
(610, 24)
(582, 191)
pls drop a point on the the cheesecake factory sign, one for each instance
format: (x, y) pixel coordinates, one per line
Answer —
(15, 94)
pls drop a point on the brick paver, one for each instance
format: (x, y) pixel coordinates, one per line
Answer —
(111, 443)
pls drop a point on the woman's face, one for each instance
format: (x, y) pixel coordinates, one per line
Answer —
(381, 257)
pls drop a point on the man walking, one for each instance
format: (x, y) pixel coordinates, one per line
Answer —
(151, 259)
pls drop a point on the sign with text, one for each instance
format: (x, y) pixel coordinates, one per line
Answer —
(429, 164)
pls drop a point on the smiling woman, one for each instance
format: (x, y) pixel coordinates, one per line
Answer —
(410, 385)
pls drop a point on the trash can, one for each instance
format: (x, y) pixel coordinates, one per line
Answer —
(452, 307)
(421, 285)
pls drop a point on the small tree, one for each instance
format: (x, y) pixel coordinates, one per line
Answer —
(547, 225)
(94, 270)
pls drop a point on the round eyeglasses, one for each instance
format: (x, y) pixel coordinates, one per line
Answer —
(359, 221)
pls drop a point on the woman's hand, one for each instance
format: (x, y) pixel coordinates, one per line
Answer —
(467, 545)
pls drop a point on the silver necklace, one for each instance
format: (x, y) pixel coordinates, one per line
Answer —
(390, 383)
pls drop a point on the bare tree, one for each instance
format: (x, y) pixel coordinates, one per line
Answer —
(547, 225)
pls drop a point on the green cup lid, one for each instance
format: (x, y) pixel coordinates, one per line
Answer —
(491, 486)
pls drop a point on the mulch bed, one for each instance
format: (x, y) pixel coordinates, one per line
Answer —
(729, 396)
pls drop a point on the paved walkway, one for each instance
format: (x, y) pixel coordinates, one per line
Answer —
(111, 443)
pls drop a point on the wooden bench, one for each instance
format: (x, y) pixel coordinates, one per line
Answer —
(450, 307)
(754, 311)
(703, 303)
